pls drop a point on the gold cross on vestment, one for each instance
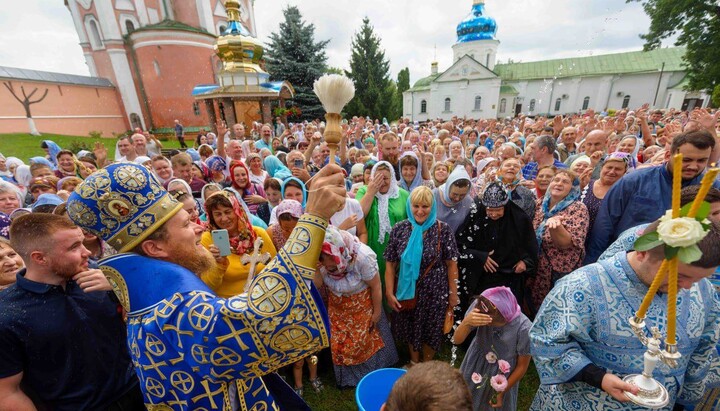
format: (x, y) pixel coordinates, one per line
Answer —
(253, 259)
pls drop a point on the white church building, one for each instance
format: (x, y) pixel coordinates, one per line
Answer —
(474, 86)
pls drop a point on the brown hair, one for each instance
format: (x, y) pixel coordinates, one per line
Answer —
(181, 159)
(699, 139)
(216, 199)
(430, 386)
(271, 183)
(33, 232)
(409, 161)
(37, 166)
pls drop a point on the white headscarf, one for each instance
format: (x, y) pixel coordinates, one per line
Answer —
(383, 210)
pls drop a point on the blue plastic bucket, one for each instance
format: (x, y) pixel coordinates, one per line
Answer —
(374, 388)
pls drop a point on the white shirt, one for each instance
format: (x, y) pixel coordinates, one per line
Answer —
(352, 206)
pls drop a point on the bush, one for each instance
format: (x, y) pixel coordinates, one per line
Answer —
(75, 146)
(716, 96)
(95, 134)
(612, 112)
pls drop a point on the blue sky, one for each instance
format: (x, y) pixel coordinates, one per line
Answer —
(39, 34)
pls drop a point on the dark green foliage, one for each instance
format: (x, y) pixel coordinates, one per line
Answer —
(370, 70)
(698, 25)
(294, 55)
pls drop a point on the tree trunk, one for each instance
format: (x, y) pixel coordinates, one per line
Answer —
(33, 130)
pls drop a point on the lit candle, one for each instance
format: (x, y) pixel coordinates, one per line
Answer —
(677, 181)
(659, 277)
(707, 182)
(672, 301)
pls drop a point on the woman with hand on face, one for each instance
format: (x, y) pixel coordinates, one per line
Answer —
(615, 166)
(229, 275)
(253, 194)
(497, 246)
(421, 258)
(360, 336)
(384, 205)
(501, 346)
(561, 225)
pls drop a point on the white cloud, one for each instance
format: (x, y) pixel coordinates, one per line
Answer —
(39, 34)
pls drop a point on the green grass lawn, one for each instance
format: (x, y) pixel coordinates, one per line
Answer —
(24, 146)
(333, 399)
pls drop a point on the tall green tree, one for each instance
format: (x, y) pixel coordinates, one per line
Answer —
(370, 70)
(295, 56)
(403, 83)
(698, 24)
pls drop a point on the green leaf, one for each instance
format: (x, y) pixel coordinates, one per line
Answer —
(671, 252)
(703, 211)
(685, 209)
(689, 255)
(648, 241)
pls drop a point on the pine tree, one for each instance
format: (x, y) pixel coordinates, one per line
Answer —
(403, 83)
(370, 70)
(294, 56)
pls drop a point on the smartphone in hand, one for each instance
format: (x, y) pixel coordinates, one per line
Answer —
(222, 241)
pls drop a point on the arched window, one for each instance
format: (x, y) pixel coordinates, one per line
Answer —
(478, 102)
(532, 105)
(586, 103)
(447, 104)
(196, 108)
(503, 105)
(129, 26)
(135, 121)
(626, 101)
(156, 66)
(423, 106)
(557, 104)
(93, 31)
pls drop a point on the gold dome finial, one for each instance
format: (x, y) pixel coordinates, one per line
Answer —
(236, 47)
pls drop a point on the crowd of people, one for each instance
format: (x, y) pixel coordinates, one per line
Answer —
(512, 237)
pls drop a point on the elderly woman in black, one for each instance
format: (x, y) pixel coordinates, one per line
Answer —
(497, 246)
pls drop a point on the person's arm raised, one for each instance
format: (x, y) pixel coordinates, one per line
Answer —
(221, 131)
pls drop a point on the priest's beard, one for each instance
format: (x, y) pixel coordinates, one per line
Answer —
(198, 261)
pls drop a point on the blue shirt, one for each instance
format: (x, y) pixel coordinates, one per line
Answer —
(640, 197)
(530, 171)
(69, 344)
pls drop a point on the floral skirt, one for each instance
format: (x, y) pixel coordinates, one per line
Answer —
(352, 339)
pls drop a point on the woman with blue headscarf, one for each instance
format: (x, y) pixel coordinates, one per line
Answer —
(561, 224)
(276, 169)
(421, 256)
(291, 189)
(52, 150)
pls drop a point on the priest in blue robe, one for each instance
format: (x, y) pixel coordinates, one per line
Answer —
(583, 345)
(191, 349)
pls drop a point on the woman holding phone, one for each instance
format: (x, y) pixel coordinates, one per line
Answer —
(224, 212)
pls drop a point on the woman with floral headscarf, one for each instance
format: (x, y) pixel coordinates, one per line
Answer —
(499, 355)
(224, 212)
(383, 203)
(360, 336)
(561, 225)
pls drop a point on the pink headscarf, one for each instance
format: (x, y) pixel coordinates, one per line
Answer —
(504, 300)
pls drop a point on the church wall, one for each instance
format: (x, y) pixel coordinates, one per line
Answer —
(67, 109)
(171, 64)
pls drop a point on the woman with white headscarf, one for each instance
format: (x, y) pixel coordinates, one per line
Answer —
(452, 199)
(384, 204)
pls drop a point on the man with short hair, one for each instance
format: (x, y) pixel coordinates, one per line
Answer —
(595, 148)
(238, 132)
(567, 148)
(390, 151)
(543, 151)
(139, 143)
(582, 343)
(297, 165)
(192, 349)
(265, 137)
(643, 195)
(182, 169)
(179, 134)
(126, 149)
(61, 334)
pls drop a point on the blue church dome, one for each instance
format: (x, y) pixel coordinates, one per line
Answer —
(477, 26)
